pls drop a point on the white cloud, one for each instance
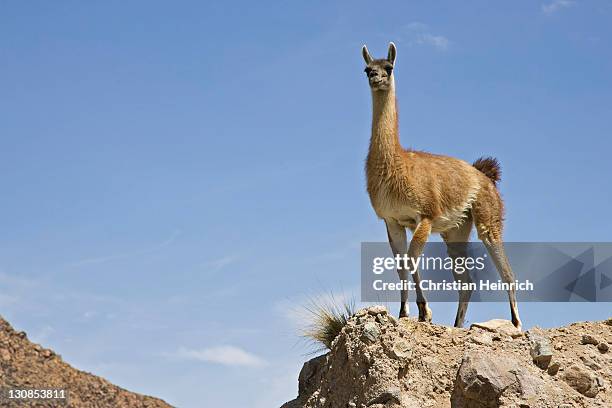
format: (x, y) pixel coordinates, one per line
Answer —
(555, 6)
(225, 355)
(220, 263)
(114, 257)
(415, 25)
(437, 41)
(417, 33)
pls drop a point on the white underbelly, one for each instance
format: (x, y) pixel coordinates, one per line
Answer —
(410, 217)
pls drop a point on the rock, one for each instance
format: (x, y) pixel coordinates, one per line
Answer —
(25, 365)
(377, 309)
(380, 363)
(592, 364)
(581, 380)
(483, 378)
(401, 349)
(391, 395)
(482, 338)
(309, 374)
(540, 349)
(529, 386)
(589, 339)
(440, 386)
(600, 382)
(501, 326)
(371, 332)
(603, 347)
(553, 369)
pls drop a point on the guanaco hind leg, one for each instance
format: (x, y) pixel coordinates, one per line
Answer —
(456, 244)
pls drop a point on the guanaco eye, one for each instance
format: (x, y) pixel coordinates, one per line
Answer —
(367, 70)
(389, 69)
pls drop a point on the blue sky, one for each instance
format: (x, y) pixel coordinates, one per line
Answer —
(180, 177)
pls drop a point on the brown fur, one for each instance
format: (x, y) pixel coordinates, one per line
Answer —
(490, 167)
(427, 192)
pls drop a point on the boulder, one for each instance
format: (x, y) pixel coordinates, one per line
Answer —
(309, 374)
(401, 349)
(589, 339)
(392, 394)
(540, 349)
(500, 326)
(482, 338)
(483, 378)
(582, 380)
(377, 309)
(553, 369)
(370, 333)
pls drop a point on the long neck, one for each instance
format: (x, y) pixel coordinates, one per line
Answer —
(385, 135)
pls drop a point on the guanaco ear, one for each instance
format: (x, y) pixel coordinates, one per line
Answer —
(392, 53)
(366, 54)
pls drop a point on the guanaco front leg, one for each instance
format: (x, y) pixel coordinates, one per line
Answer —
(399, 246)
(417, 244)
(398, 242)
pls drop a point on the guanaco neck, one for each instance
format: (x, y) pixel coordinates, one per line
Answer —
(384, 142)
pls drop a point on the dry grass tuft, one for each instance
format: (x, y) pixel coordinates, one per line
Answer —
(328, 318)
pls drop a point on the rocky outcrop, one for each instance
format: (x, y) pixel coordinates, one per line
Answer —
(380, 362)
(25, 365)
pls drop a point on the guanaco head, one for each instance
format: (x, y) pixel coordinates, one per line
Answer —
(380, 71)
